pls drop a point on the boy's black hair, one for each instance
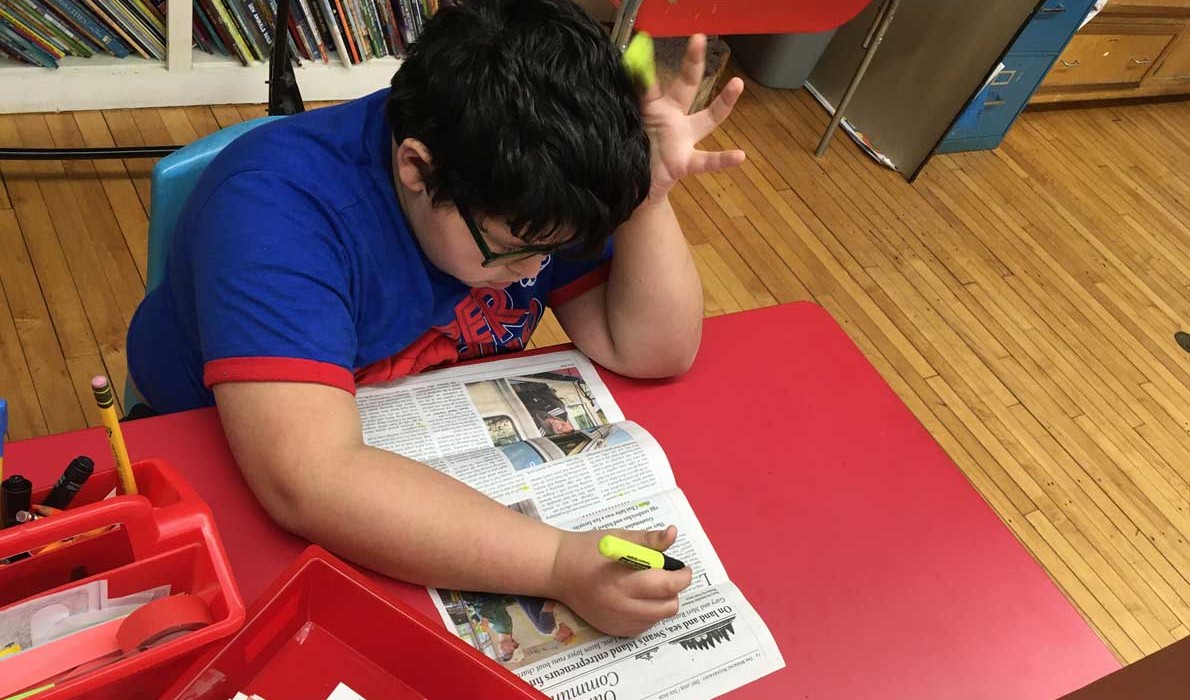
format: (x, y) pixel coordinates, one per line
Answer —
(528, 116)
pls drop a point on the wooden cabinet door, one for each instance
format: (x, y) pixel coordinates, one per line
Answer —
(1175, 65)
(1107, 59)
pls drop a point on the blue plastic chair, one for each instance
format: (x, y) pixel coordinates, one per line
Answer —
(174, 178)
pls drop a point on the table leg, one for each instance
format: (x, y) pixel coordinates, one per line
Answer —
(871, 43)
(625, 21)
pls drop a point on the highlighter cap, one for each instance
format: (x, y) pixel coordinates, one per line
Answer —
(15, 494)
(71, 481)
(80, 468)
(16, 484)
(640, 61)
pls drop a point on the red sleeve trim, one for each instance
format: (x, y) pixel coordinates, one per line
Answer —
(581, 286)
(277, 369)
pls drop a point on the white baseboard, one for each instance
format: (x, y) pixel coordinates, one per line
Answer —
(106, 82)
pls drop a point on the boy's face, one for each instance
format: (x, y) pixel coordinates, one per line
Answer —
(448, 242)
(445, 236)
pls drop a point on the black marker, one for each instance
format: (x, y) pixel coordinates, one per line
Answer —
(70, 482)
(16, 494)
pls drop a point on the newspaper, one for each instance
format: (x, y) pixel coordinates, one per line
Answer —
(543, 435)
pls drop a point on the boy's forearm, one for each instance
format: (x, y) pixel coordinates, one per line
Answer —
(654, 297)
(406, 520)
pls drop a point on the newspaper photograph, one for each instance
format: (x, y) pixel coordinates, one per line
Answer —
(543, 436)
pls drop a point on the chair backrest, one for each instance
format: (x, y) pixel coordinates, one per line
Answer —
(174, 178)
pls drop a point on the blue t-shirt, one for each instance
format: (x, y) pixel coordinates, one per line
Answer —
(292, 261)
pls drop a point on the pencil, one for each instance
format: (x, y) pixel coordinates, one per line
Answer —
(3, 430)
(111, 423)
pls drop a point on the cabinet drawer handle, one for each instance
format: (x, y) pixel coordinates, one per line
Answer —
(1056, 9)
(1140, 61)
(1004, 77)
(1071, 64)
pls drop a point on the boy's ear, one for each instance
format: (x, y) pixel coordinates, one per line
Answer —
(412, 164)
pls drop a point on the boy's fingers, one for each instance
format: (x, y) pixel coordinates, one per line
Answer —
(685, 87)
(659, 540)
(656, 584)
(694, 60)
(648, 610)
(712, 161)
(629, 628)
(720, 109)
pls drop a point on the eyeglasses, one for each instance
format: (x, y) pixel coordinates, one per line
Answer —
(491, 259)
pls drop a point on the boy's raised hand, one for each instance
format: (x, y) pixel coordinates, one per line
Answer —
(616, 599)
(674, 134)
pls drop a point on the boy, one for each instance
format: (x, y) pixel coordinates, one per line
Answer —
(421, 225)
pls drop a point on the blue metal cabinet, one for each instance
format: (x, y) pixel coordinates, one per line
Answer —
(1003, 99)
(987, 118)
(1051, 27)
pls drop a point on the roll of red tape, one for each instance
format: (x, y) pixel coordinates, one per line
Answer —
(162, 620)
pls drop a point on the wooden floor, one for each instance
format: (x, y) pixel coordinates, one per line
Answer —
(1022, 302)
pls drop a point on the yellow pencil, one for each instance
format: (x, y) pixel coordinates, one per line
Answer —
(111, 423)
(3, 430)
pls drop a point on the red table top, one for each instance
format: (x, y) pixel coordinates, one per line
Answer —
(686, 17)
(880, 571)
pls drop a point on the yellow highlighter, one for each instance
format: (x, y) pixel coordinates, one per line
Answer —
(640, 61)
(30, 693)
(635, 555)
(111, 422)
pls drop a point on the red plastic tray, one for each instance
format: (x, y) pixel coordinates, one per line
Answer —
(167, 535)
(322, 623)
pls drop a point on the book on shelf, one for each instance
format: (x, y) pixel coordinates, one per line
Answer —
(127, 14)
(358, 30)
(68, 37)
(306, 31)
(350, 32)
(75, 13)
(327, 15)
(242, 24)
(102, 16)
(205, 34)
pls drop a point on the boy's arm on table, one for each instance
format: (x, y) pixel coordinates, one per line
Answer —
(301, 449)
(647, 320)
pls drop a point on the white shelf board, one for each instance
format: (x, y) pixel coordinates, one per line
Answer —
(106, 82)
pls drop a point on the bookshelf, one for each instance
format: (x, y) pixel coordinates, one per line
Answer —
(190, 76)
(187, 76)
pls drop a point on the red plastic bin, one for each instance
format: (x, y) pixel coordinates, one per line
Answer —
(167, 536)
(322, 623)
